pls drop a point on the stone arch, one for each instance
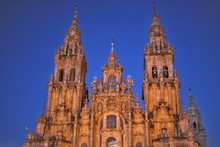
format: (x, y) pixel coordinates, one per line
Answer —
(154, 72)
(194, 126)
(61, 75)
(111, 142)
(165, 72)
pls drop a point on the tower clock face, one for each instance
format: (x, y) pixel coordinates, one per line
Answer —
(111, 142)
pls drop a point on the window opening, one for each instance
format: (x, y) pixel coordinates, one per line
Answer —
(111, 122)
(154, 72)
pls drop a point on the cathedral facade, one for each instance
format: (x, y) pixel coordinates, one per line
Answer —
(115, 117)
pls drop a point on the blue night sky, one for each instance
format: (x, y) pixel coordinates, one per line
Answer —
(31, 30)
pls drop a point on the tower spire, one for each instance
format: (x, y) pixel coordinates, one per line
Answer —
(191, 101)
(72, 41)
(157, 44)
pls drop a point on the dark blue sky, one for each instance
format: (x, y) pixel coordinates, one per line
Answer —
(31, 30)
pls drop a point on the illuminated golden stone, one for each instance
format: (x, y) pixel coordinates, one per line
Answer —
(115, 117)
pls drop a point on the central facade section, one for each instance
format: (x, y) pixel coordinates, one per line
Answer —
(115, 120)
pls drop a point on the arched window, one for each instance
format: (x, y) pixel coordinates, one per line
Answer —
(61, 75)
(111, 142)
(154, 72)
(84, 145)
(111, 122)
(139, 144)
(72, 74)
(165, 72)
(194, 126)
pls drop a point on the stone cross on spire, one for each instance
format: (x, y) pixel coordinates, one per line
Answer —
(154, 3)
(76, 10)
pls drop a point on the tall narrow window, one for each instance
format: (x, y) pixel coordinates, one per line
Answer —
(72, 74)
(61, 75)
(194, 126)
(154, 72)
(84, 145)
(121, 123)
(165, 72)
(111, 122)
(139, 144)
(101, 124)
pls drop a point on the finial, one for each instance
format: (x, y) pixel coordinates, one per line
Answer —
(86, 101)
(137, 100)
(137, 97)
(76, 7)
(190, 92)
(75, 20)
(155, 9)
(155, 17)
(43, 111)
(190, 96)
(26, 128)
(112, 49)
(95, 78)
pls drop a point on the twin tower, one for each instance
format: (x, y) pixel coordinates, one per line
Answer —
(115, 117)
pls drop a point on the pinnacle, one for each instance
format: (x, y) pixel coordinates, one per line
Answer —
(112, 49)
(112, 59)
(137, 101)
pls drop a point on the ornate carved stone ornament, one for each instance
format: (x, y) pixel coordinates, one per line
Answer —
(111, 104)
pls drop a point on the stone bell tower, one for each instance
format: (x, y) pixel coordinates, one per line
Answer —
(66, 94)
(67, 84)
(196, 122)
(167, 124)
